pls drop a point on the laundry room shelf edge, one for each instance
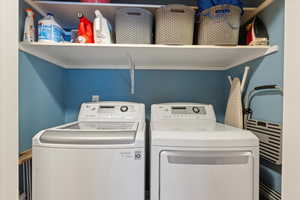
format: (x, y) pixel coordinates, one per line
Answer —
(166, 57)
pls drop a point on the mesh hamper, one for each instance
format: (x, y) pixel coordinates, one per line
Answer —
(219, 25)
(134, 26)
(175, 25)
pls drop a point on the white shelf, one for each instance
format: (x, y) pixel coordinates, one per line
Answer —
(66, 12)
(114, 56)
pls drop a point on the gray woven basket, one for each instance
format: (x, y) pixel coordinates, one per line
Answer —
(134, 26)
(175, 25)
(219, 25)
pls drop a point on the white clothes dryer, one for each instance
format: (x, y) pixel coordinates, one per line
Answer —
(101, 156)
(193, 157)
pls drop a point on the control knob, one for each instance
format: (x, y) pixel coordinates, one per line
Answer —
(196, 110)
(124, 108)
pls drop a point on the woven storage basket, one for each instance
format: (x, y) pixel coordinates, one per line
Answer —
(134, 26)
(219, 25)
(174, 25)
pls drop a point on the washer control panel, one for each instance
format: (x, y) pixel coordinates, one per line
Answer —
(177, 111)
(188, 110)
(110, 111)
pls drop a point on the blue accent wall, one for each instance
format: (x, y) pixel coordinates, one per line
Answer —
(41, 97)
(151, 87)
(267, 71)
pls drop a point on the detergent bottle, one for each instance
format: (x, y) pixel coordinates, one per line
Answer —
(49, 31)
(102, 33)
(85, 30)
(29, 30)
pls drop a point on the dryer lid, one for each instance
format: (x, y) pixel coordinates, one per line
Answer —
(92, 133)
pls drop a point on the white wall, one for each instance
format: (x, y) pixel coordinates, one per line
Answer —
(291, 119)
(9, 100)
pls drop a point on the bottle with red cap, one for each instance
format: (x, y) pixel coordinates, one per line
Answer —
(29, 30)
(85, 30)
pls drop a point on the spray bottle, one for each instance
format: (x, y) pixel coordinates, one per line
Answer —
(29, 30)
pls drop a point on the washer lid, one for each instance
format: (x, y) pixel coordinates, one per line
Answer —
(92, 133)
(103, 126)
(200, 134)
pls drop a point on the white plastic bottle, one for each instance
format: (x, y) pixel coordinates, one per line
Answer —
(102, 33)
(29, 30)
(49, 31)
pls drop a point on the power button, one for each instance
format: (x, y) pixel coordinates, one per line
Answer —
(138, 155)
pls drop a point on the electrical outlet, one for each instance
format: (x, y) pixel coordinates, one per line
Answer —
(95, 98)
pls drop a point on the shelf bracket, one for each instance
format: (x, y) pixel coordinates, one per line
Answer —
(132, 73)
(245, 76)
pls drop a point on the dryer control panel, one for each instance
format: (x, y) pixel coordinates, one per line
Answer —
(111, 111)
(178, 111)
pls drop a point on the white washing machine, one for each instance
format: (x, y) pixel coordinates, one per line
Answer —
(101, 156)
(193, 157)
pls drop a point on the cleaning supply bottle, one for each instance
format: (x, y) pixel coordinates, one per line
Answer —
(49, 31)
(29, 30)
(102, 33)
(85, 30)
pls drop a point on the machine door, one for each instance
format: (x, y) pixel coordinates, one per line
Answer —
(88, 174)
(206, 175)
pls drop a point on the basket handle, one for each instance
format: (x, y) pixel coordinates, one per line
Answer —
(177, 8)
(134, 13)
(223, 12)
(240, 5)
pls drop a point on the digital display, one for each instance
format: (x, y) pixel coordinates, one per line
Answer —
(109, 107)
(179, 108)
